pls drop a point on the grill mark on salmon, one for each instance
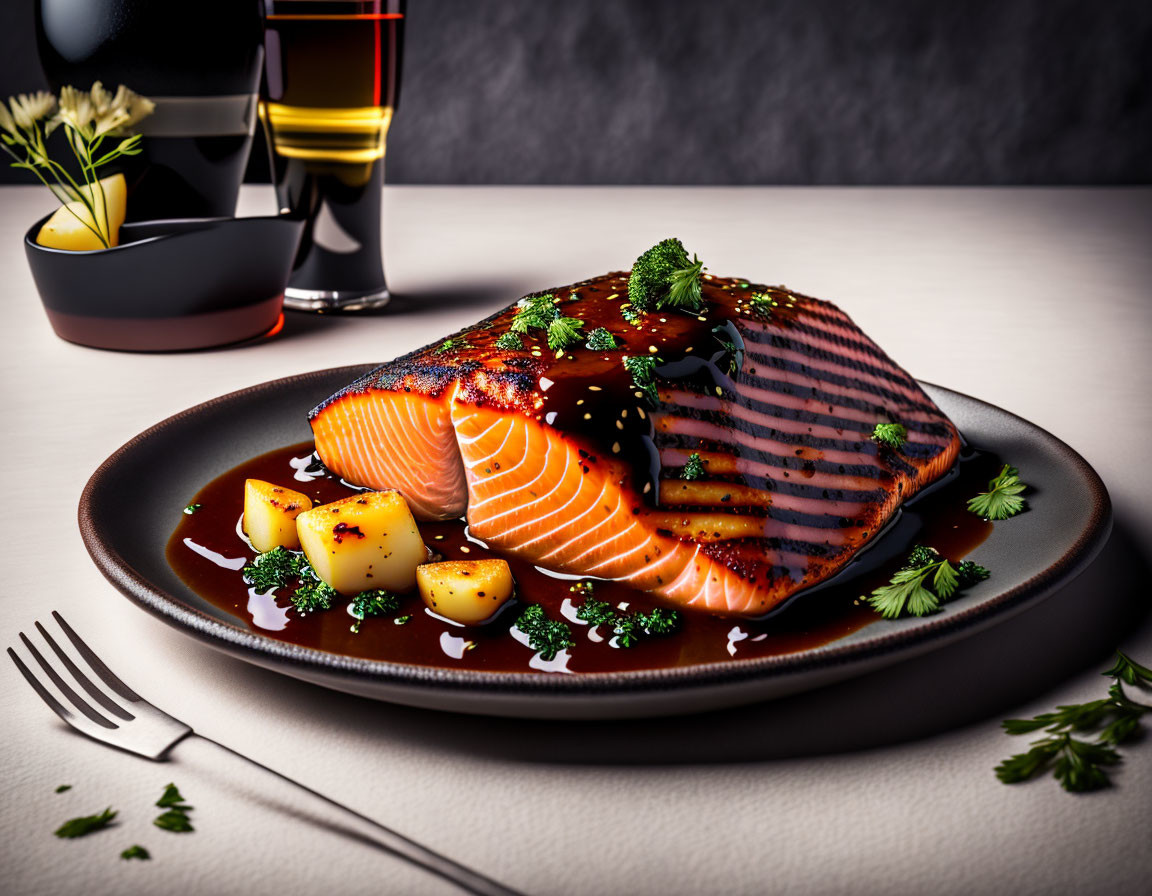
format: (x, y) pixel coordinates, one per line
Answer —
(558, 459)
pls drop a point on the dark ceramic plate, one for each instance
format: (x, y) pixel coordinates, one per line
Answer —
(126, 519)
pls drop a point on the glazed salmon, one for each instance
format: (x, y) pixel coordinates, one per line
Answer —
(742, 471)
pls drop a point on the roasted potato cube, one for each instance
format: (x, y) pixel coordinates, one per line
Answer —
(363, 542)
(270, 513)
(465, 591)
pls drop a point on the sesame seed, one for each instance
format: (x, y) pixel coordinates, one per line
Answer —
(615, 447)
(719, 391)
(647, 487)
(640, 411)
(587, 416)
(624, 413)
(464, 549)
(579, 401)
(652, 349)
(536, 353)
(614, 295)
(619, 424)
(701, 317)
(595, 389)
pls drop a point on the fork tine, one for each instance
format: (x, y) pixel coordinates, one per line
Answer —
(83, 680)
(45, 695)
(106, 675)
(63, 687)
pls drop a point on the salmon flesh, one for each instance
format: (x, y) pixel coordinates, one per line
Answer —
(570, 460)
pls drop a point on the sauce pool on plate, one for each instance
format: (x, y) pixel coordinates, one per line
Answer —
(208, 551)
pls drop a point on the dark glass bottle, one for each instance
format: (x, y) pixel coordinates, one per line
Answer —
(200, 63)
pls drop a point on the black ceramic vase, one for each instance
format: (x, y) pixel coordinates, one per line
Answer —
(199, 63)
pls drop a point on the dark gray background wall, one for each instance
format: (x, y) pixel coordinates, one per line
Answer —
(743, 92)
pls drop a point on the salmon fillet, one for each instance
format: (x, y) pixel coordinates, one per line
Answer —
(744, 473)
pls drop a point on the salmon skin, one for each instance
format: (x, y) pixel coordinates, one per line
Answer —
(741, 472)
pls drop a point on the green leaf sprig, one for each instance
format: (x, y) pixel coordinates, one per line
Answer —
(922, 583)
(89, 118)
(1002, 500)
(541, 313)
(1079, 764)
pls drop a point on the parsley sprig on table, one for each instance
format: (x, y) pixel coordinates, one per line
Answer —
(1002, 499)
(175, 817)
(1079, 764)
(922, 583)
(86, 824)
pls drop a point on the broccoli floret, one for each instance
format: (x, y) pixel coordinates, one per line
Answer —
(969, 573)
(664, 277)
(693, 467)
(510, 341)
(921, 556)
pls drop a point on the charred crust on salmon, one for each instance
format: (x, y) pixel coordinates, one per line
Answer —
(561, 456)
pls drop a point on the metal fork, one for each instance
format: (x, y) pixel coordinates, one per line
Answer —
(135, 725)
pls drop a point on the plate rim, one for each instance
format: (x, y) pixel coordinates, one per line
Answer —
(270, 652)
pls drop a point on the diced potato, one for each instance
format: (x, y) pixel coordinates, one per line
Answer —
(71, 226)
(363, 542)
(466, 591)
(270, 513)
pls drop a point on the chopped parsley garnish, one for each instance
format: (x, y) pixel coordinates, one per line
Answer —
(693, 467)
(402, 620)
(1078, 764)
(1002, 499)
(894, 435)
(135, 852)
(192, 508)
(563, 332)
(313, 593)
(63, 787)
(85, 825)
(628, 628)
(511, 341)
(373, 603)
(273, 569)
(541, 313)
(176, 818)
(546, 636)
(761, 304)
(663, 277)
(452, 344)
(643, 370)
(600, 340)
(922, 583)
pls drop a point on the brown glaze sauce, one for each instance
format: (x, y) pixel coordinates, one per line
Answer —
(814, 617)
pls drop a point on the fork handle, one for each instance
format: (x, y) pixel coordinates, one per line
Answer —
(390, 840)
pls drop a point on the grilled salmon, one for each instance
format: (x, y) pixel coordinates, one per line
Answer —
(729, 464)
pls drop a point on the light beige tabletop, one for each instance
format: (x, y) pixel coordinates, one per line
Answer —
(1037, 300)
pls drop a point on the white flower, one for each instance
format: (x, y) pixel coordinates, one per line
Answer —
(99, 112)
(29, 108)
(76, 111)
